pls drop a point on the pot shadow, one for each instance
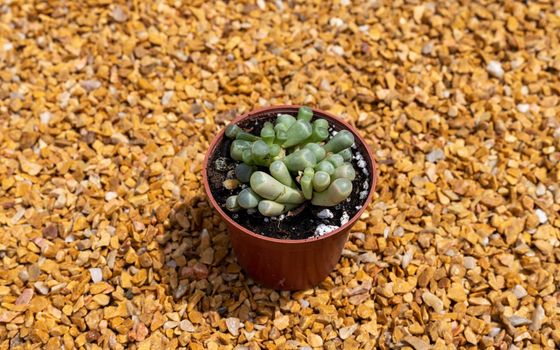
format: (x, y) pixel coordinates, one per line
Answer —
(200, 273)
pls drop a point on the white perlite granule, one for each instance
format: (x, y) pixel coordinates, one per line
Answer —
(323, 229)
(325, 214)
(344, 219)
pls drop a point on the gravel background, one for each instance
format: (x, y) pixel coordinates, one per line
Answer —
(107, 109)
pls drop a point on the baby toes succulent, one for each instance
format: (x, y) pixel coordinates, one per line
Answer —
(291, 161)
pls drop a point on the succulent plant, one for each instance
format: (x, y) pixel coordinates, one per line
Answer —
(290, 162)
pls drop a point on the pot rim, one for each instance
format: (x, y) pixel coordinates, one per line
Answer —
(272, 109)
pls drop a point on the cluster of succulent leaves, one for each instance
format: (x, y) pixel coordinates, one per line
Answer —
(291, 162)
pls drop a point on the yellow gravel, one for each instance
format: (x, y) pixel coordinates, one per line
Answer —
(107, 109)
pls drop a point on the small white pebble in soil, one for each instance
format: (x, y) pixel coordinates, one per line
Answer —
(358, 207)
(363, 194)
(364, 28)
(266, 220)
(109, 196)
(495, 69)
(523, 107)
(325, 214)
(519, 291)
(543, 218)
(365, 185)
(221, 164)
(524, 90)
(323, 229)
(344, 219)
(96, 274)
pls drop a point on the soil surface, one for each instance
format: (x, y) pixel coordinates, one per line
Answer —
(300, 223)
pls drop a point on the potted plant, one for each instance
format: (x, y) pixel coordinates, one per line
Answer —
(289, 182)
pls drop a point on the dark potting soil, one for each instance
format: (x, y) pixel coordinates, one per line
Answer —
(302, 222)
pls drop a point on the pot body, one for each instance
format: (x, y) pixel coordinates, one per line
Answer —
(282, 263)
(287, 266)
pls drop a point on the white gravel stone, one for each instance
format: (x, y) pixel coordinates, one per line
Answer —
(45, 117)
(517, 321)
(96, 274)
(166, 98)
(523, 107)
(433, 301)
(435, 155)
(336, 22)
(469, 262)
(427, 48)
(90, 85)
(519, 291)
(109, 196)
(543, 218)
(495, 69)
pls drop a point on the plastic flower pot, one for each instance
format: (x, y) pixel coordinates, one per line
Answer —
(287, 264)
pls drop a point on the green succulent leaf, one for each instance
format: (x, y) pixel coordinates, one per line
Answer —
(267, 133)
(232, 130)
(343, 139)
(297, 133)
(281, 133)
(307, 183)
(317, 150)
(248, 199)
(269, 188)
(300, 160)
(325, 166)
(305, 114)
(285, 119)
(346, 154)
(231, 204)
(321, 181)
(271, 208)
(237, 147)
(280, 172)
(346, 171)
(336, 160)
(259, 150)
(276, 151)
(337, 192)
(242, 135)
(243, 172)
(320, 131)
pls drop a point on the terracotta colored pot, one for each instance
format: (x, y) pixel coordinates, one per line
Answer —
(283, 263)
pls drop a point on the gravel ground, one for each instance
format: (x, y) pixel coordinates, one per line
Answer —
(106, 110)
